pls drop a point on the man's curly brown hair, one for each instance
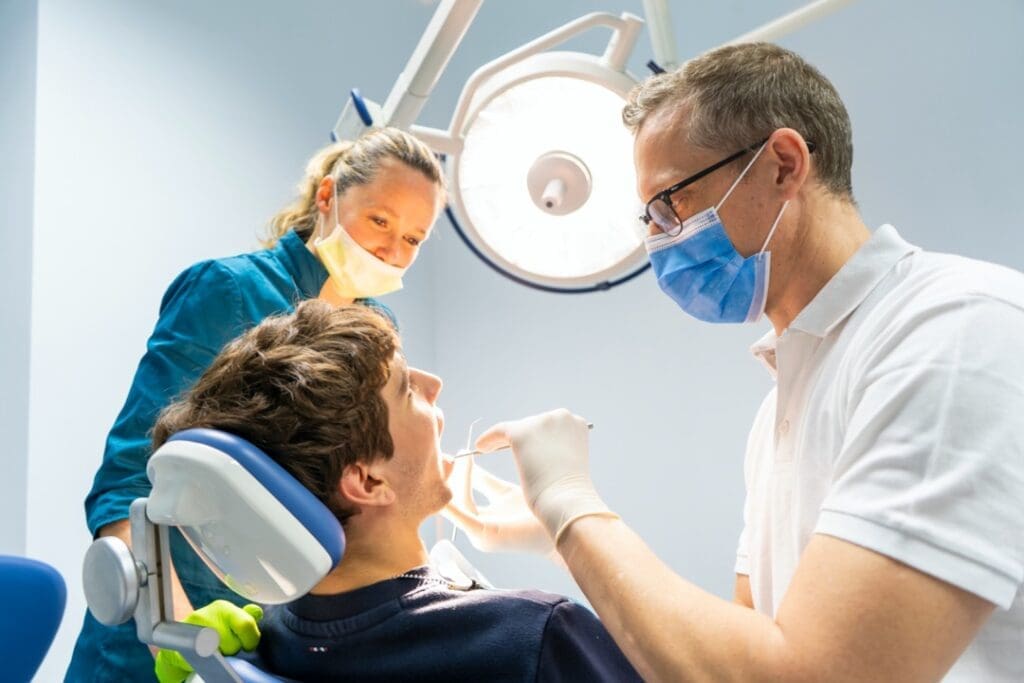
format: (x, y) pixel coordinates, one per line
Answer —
(304, 388)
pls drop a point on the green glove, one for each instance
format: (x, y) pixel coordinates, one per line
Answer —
(238, 628)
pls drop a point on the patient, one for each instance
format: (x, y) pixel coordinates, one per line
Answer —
(326, 392)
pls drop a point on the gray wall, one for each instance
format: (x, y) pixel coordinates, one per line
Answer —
(17, 140)
(168, 133)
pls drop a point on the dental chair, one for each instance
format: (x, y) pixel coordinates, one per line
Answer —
(33, 596)
(258, 529)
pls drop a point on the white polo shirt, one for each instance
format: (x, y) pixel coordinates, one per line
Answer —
(897, 423)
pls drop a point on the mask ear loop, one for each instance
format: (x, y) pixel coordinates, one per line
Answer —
(327, 230)
(738, 179)
(774, 225)
(334, 191)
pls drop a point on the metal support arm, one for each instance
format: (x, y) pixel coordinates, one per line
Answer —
(122, 583)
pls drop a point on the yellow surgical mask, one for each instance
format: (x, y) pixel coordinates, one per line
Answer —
(355, 272)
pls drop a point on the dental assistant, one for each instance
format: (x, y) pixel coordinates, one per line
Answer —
(365, 207)
(884, 523)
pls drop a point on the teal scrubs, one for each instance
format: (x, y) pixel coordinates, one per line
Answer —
(205, 307)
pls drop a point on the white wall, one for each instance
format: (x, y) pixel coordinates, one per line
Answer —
(168, 133)
(17, 140)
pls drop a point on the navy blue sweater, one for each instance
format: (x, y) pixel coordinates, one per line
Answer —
(420, 629)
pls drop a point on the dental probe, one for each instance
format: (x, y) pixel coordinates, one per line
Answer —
(464, 452)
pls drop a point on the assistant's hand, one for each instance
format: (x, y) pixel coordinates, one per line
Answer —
(552, 455)
(504, 524)
(238, 628)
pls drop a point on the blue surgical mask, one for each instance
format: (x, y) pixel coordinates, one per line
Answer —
(701, 270)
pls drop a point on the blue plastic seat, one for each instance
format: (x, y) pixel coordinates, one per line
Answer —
(33, 596)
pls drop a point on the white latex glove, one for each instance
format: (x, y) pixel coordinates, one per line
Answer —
(552, 455)
(504, 524)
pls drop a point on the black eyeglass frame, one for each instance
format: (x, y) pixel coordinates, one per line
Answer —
(665, 196)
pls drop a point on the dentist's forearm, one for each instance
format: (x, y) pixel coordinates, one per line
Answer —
(670, 629)
(848, 614)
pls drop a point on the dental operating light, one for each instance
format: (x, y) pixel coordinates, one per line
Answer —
(542, 186)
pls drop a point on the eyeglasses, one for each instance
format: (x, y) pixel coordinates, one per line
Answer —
(660, 210)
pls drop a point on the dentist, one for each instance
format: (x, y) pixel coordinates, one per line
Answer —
(884, 528)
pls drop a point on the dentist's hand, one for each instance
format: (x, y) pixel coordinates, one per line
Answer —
(551, 452)
(504, 523)
(238, 628)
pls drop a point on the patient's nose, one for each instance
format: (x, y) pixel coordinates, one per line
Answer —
(429, 384)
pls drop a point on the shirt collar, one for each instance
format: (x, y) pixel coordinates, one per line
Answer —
(310, 275)
(844, 292)
(764, 350)
(351, 603)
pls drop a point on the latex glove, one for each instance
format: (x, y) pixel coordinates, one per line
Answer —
(505, 523)
(238, 628)
(552, 456)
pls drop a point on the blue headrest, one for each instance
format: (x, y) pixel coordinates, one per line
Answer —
(307, 509)
(33, 595)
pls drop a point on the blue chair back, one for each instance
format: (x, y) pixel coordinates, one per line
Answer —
(32, 599)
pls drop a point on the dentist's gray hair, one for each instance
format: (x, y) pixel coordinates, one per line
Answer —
(739, 94)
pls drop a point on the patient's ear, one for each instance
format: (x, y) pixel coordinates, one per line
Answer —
(359, 486)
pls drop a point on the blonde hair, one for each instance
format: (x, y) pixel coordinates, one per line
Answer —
(352, 162)
(740, 94)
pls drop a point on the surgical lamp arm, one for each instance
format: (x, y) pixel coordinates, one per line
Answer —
(793, 21)
(626, 29)
(435, 49)
(663, 40)
(452, 19)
